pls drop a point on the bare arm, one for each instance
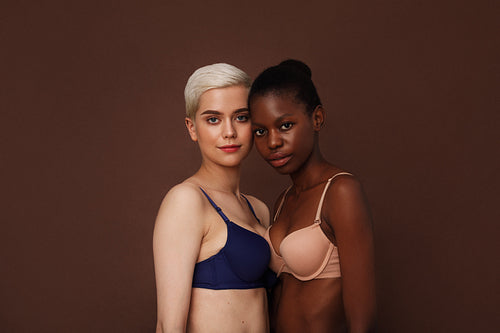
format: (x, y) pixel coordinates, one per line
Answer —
(176, 245)
(347, 212)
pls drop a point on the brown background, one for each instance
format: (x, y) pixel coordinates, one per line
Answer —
(92, 138)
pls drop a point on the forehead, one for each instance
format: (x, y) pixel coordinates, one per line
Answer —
(223, 100)
(275, 106)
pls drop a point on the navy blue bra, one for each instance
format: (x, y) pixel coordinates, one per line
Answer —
(241, 264)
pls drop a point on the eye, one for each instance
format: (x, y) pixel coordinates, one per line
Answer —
(242, 118)
(259, 132)
(212, 120)
(286, 126)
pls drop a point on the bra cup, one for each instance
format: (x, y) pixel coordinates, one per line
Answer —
(247, 252)
(276, 263)
(240, 264)
(306, 252)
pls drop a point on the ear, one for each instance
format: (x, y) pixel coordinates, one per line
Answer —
(191, 128)
(318, 117)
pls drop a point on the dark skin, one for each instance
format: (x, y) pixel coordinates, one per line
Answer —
(288, 138)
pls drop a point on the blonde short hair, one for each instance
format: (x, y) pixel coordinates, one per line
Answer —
(214, 76)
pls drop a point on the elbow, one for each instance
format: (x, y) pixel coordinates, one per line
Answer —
(365, 322)
(367, 325)
(363, 329)
(161, 327)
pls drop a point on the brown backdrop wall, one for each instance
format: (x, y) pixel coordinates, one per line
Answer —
(93, 138)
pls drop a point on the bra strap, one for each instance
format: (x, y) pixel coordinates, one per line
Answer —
(278, 211)
(317, 219)
(217, 208)
(251, 208)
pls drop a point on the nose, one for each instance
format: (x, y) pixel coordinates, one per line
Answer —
(274, 140)
(228, 130)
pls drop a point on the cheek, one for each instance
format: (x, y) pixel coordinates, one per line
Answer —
(245, 131)
(204, 133)
(301, 141)
(260, 144)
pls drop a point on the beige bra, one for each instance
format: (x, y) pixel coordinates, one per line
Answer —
(306, 253)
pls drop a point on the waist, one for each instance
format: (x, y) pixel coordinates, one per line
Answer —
(228, 310)
(310, 301)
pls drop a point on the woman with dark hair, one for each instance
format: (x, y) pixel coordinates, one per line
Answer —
(321, 238)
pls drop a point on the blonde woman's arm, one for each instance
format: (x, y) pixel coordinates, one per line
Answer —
(178, 234)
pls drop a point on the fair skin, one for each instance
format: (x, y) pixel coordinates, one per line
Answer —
(189, 230)
(287, 136)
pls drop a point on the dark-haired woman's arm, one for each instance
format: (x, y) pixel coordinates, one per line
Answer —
(348, 214)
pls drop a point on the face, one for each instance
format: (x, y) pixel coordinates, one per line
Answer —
(222, 126)
(284, 134)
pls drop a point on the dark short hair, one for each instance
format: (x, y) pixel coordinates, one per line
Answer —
(291, 78)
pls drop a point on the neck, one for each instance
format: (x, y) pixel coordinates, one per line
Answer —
(219, 178)
(311, 173)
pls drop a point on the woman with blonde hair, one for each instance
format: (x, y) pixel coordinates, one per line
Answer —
(210, 256)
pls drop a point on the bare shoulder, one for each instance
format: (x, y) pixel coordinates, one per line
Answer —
(260, 208)
(181, 200)
(344, 186)
(184, 191)
(345, 201)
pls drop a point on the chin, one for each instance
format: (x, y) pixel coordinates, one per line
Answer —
(232, 163)
(284, 170)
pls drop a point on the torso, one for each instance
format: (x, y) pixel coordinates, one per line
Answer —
(312, 306)
(306, 299)
(227, 310)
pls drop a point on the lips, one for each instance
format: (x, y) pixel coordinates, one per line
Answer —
(278, 159)
(230, 148)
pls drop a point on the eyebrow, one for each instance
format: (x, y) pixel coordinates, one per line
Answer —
(284, 116)
(278, 120)
(219, 113)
